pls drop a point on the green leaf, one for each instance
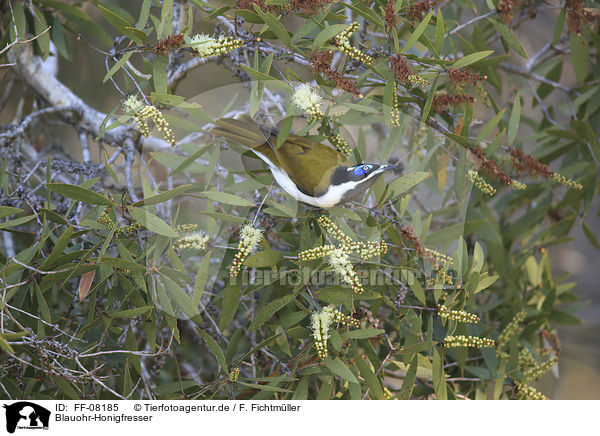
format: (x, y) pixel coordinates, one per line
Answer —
(515, 117)
(273, 82)
(471, 59)
(201, 278)
(5, 345)
(580, 56)
(121, 263)
(564, 318)
(326, 34)
(224, 197)
(406, 182)
(267, 311)
(429, 101)
(159, 74)
(275, 25)
(78, 193)
(409, 379)
(414, 37)
(152, 222)
(8, 210)
(215, 349)
(165, 196)
(263, 259)
(490, 125)
(117, 66)
(179, 296)
(440, 31)
(369, 376)
(130, 313)
(337, 367)
(231, 300)
(510, 38)
(362, 333)
(118, 22)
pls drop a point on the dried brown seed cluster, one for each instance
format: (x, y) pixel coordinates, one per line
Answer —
(390, 15)
(170, 42)
(443, 100)
(507, 8)
(528, 163)
(491, 166)
(308, 6)
(576, 15)
(401, 68)
(459, 77)
(415, 12)
(321, 62)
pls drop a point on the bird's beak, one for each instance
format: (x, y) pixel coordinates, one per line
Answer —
(387, 167)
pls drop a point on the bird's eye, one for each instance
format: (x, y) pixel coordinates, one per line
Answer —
(362, 170)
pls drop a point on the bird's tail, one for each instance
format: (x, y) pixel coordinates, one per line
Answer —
(242, 130)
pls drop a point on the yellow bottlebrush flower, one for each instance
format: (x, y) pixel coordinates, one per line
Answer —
(457, 315)
(320, 322)
(339, 261)
(510, 330)
(525, 392)
(395, 110)
(342, 41)
(316, 253)
(467, 341)
(132, 105)
(478, 181)
(151, 112)
(234, 375)
(185, 228)
(207, 46)
(567, 182)
(195, 240)
(538, 370)
(250, 237)
(341, 144)
(515, 184)
(416, 80)
(308, 100)
(325, 222)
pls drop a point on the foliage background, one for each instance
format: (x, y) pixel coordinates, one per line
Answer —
(562, 132)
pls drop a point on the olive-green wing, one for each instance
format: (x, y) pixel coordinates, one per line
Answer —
(318, 162)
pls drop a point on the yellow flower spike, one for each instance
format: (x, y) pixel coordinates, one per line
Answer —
(538, 370)
(457, 315)
(395, 113)
(525, 392)
(339, 261)
(250, 237)
(325, 222)
(320, 323)
(515, 184)
(467, 341)
(315, 253)
(343, 43)
(234, 375)
(195, 241)
(207, 46)
(510, 330)
(341, 144)
(151, 112)
(567, 182)
(478, 181)
(308, 100)
(416, 80)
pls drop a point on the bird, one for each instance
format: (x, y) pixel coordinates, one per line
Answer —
(311, 172)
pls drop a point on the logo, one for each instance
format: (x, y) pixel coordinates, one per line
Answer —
(26, 415)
